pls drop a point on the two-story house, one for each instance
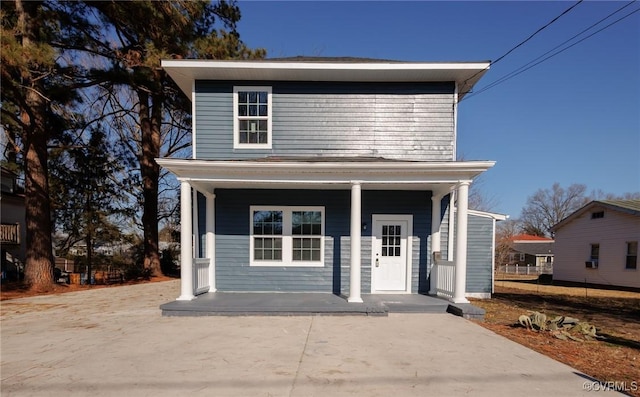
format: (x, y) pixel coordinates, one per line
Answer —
(323, 175)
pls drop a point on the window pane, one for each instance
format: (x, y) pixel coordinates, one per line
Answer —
(257, 254)
(253, 110)
(263, 110)
(277, 255)
(315, 255)
(632, 248)
(242, 97)
(262, 137)
(253, 97)
(297, 255)
(267, 222)
(242, 110)
(264, 97)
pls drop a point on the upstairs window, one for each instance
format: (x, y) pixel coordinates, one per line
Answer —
(632, 255)
(597, 215)
(252, 117)
(595, 253)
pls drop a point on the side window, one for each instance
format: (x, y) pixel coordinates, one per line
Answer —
(632, 255)
(252, 117)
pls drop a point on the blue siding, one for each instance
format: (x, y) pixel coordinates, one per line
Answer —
(479, 251)
(399, 120)
(233, 272)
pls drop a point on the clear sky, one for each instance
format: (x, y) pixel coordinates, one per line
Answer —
(574, 118)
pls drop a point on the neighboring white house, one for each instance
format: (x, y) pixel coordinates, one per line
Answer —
(598, 244)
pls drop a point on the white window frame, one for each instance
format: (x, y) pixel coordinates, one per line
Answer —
(237, 118)
(287, 237)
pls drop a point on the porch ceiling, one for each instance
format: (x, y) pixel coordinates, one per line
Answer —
(373, 175)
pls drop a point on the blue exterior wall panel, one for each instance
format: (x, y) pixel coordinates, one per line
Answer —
(392, 120)
(233, 272)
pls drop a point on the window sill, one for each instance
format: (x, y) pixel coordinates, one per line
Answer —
(286, 264)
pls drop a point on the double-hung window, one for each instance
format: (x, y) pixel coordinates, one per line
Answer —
(287, 236)
(252, 117)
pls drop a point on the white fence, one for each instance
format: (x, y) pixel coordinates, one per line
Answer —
(200, 276)
(445, 273)
(525, 269)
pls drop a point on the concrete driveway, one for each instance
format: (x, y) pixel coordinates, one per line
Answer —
(114, 342)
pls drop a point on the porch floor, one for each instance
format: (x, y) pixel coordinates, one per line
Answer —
(291, 304)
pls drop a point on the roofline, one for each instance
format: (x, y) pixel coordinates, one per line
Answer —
(185, 71)
(487, 214)
(324, 173)
(604, 203)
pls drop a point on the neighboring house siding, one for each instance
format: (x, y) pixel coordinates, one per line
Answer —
(233, 272)
(612, 232)
(396, 121)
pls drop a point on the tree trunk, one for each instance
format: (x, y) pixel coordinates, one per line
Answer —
(39, 258)
(150, 119)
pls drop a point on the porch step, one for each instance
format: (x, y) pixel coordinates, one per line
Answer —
(293, 304)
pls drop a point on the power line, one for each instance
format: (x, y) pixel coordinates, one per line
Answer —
(531, 64)
(536, 32)
(464, 84)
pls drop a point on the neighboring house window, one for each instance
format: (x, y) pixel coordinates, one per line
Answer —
(522, 257)
(252, 117)
(597, 215)
(287, 236)
(632, 255)
(595, 253)
(512, 257)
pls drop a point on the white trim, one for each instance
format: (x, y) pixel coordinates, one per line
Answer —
(186, 259)
(409, 250)
(355, 271)
(236, 118)
(193, 120)
(287, 237)
(464, 74)
(455, 122)
(376, 174)
(462, 220)
(210, 211)
(478, 295)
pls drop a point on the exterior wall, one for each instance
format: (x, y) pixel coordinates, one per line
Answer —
(13, 212)
(479, 252)
(396, 121)
(612, 232)
(233, 272)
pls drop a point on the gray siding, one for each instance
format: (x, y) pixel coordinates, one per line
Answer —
(479, 253)
(399, 121)
(233, 272)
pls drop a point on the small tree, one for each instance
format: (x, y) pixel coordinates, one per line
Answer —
(88, 194)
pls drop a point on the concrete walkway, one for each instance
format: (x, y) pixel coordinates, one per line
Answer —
(114, 342)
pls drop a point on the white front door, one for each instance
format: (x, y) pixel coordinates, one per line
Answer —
(391, 247)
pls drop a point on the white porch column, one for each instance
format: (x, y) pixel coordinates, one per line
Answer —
(461, 243)
(211, 239)
(194, 225)
(186, 258)
(356, 224)
(436, 208)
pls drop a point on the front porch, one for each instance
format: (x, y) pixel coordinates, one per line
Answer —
(298, 304)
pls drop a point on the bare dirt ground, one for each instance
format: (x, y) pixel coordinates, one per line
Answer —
(615, 314)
